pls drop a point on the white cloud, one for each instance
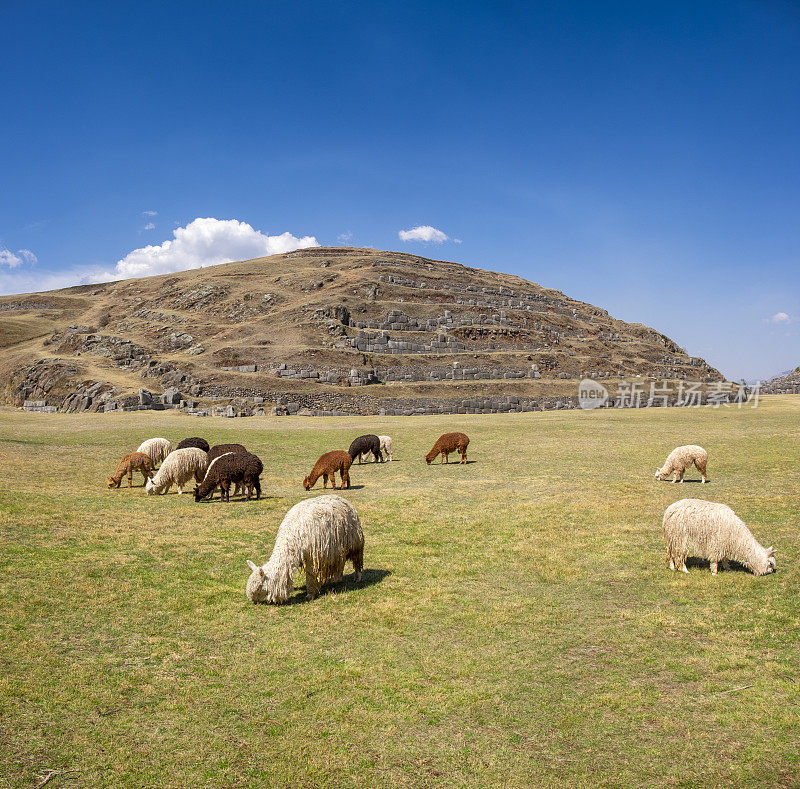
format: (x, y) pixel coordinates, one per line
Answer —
(12, 260)
(203, 242)
(149, 226)
(207, 242)
(780, 317)
(424, 233)
(149, 213)
(344, 237)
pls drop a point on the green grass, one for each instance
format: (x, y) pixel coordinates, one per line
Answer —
(517, 625)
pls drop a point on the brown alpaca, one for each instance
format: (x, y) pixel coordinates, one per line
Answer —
(449, 442)
(327, 466)
(133, 461)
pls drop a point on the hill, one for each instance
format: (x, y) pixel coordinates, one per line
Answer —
(785, 383)
(334, 329)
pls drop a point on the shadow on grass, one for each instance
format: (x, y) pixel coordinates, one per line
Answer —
(705, 564)
(338, 491)
(237, 500)
(452, 463)
(694, 481)
(368, 578)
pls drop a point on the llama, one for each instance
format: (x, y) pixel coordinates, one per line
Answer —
(714, 532)
(156, 449)
(386, 446)
(179, 467)
(447, 443)
(681, 459)
(240, 467)
(133, 461)
(363, 445)
(327, 466)
(319, 535)
(194, 441)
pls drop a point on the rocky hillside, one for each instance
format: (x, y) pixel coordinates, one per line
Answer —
(347, 330)
(784, 384)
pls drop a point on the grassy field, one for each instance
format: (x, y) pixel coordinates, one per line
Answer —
(516, 625)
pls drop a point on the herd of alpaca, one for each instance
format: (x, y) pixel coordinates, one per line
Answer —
(321, 534)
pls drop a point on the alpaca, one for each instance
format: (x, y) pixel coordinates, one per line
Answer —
(363, 445)
(240, 467)
(194, 441)
(327, 466)
(133, 461)
(447, 443)
(179, 467)
(318, 534)
(223, 449)
(156, 449)
(715, 532)
(386, 446)
(681, 459)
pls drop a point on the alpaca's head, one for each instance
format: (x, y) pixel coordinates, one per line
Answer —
(197, 495)
(770, 560)
(659, 475)
(256, 590)
(150, 487)
(307, 483)
(428, 458)
(112, 483)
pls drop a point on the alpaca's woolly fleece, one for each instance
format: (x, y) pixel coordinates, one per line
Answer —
(131, 462)
(386, 446)
(179, 467)
(242, 468)
(681, 459)
(714, 532)
(447, 443)
(365, 444)
(318, 534)
(223, 449)
(194, 441)
(156, 449)
(327, 466)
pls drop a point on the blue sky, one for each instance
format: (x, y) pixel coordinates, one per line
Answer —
(641, 156)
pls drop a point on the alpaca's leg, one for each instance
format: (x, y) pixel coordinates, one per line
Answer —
(445, 457)
(702, 469)
(324, 479)
(713, 568)
(312, 585)
(346, 478)
(682, 563)
(130, 477)
(726, 565)
(358, 563)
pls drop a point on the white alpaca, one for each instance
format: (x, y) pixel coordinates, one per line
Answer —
(156, 449)
(386, 446)
(318, 534)
(681, 459)
(712, 531)
(179, 467)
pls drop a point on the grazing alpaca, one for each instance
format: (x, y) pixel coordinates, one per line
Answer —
(681, 459)
(223, 449)
(715, 532)
(194, 441)
(156, 449)
(447, 443)
(240, 467)
(363, 445)
(133, 461)
(327, 466)
(179, 467)
(386, 446)
(319, 535)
